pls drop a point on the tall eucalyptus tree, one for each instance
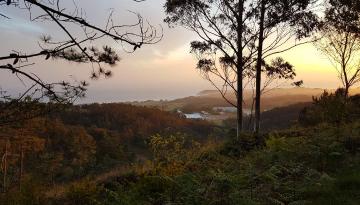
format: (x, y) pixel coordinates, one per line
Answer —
(236, 36)
(296, 19)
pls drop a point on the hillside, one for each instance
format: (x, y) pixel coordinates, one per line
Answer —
(98, 140)
(208, 99)
(291, 167)
(275, 119)
(107, 154)
(310, 164)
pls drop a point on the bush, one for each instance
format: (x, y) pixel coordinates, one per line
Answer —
(84, 192)
(331, 108)
(172, 152)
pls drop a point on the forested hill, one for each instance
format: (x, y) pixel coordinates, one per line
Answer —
(314, 163)
(131, 121)
(122, 154)
(84, 141)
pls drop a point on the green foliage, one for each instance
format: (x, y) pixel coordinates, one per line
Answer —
(83, 192)
(305, 166)
(332, 108)
(343, 190)
(172, 152)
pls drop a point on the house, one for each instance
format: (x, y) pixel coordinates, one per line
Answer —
(195, 116)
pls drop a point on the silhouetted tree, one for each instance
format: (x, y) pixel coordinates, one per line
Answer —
(295, 19)
(231, 38)
(329, 108)
(341, 40)
(225, 47)
(343, 15)
(274, 74)
(77, 47)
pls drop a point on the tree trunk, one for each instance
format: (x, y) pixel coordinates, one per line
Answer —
(347, 88)
(344, 64)
(21, 165)
(258, 68)
(5, 166)
(239, 69)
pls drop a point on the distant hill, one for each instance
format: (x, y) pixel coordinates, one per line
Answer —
(275, 119)
(207, 99)
(282, 117)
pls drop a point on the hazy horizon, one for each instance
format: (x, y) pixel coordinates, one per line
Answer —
(162, 71)
(115, 96)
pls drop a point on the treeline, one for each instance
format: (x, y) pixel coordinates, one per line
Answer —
(131, 121)
(336, 108)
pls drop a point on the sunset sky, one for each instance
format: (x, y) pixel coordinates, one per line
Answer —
(162, 71)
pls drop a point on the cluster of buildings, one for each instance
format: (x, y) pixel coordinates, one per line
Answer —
(203, 115)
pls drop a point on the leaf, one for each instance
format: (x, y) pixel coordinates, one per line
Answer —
(298, 83)
(16, 61)
(48, 56)
(13, 55)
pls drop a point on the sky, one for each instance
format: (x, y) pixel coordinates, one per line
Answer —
(165, 70)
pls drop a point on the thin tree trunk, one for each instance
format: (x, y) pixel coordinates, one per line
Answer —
(239, 69)
(21, 165)
(347, 88)
(347, 85)
(258, 68)
(344, 65)
(5, 166)
(250, 123)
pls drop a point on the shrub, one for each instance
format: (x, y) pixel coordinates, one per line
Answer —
(84, 192)
(331, 108)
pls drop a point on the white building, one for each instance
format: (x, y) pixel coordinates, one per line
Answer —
(195, 116)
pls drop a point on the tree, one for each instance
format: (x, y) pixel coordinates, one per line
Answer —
(273, 75)
(343, 15)
(232, 42)
(330, 108)
(259, 64)
(343, 49)
(221, 27)
(226, 46)
(341, 40)
(74, 47)
(14, 145)
(295, 18)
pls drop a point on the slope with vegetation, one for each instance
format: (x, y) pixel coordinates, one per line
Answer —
(89, 141)
(304, 166)
(315, 162)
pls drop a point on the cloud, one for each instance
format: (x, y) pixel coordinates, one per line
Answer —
(20, 26)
